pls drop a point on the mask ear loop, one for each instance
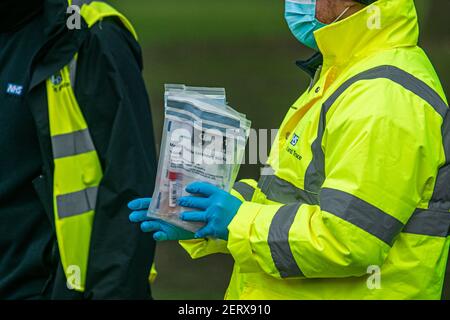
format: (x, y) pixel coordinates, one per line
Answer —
(342, 14)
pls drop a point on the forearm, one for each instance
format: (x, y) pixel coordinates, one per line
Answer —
(300, 240)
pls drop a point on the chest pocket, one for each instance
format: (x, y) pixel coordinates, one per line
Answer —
(293, 155)
(283, 181)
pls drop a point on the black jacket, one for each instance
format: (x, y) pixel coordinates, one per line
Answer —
(112, 95)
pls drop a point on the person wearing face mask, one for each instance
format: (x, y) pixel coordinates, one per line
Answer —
(355, 200)
(73, 103)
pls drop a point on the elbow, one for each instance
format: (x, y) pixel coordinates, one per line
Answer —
(364, 257)
(341, 260)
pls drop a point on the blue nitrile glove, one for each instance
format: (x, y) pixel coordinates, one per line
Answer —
(219, 208)
(162, 230)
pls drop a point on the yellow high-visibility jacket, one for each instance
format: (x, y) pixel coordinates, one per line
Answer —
(355, 203)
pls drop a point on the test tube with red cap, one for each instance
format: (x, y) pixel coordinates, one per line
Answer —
(173, 189)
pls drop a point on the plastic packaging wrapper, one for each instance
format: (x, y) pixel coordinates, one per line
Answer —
(204, 139)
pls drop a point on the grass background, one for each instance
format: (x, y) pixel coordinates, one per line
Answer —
(246, 47)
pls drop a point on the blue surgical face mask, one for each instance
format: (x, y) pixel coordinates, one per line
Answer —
(301, 18)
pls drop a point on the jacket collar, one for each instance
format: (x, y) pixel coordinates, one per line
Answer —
(54, 16)
(386, 24)
(62, 44)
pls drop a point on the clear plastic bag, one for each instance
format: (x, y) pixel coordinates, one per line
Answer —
(203, 140)
(217, 94)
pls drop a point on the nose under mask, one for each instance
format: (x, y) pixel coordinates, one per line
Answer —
(15, 13)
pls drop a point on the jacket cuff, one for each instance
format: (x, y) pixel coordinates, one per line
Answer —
(239, 243)
(199, 248)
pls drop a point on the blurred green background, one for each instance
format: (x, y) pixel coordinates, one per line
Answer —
(246, 47)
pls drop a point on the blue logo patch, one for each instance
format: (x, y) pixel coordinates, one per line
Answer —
(56, 79)
(14, 89)
(294, 140)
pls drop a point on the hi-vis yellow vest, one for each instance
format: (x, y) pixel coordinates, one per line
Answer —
(77, 169)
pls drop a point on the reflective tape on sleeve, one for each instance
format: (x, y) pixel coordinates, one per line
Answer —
(361, 214)
(429, 222)
(245, 190)
(278, 241)
(282, 191)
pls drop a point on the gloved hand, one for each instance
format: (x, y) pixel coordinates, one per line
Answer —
(218, 209)
(162, 230)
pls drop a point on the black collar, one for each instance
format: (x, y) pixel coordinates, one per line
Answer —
(62, 43)
(311, 64)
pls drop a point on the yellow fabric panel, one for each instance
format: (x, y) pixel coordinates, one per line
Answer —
(73, 245)
(428, 256)
(395, 285)
(285, 167)
(258, 239)
(71, 174)
(60, 93)
(315, 238)
(397, 27)
(96, 11)
(153, 274)
(326, 246)
(282, 165)
(240, 245)
(302, 120)
(77, 173)
(199, 248)
(390, 176)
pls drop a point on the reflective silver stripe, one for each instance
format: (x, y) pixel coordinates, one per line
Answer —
(245, 190)
(315, 172)
(441, 194)
(76, 203)
(361, 213)
(278, 241)
(399, 76)
(71, 144)
(429, 222)
(282, 191)
(73, 72)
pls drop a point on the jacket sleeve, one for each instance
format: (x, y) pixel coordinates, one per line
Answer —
(248, 190)
(379, 156)
(112, 95)
(244, 190)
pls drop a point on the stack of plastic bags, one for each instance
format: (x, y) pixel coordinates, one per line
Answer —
(204, 139)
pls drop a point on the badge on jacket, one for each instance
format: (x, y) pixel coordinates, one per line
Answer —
(14, 89)
(294, 140)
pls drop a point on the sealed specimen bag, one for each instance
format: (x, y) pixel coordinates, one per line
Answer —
(204, 139)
